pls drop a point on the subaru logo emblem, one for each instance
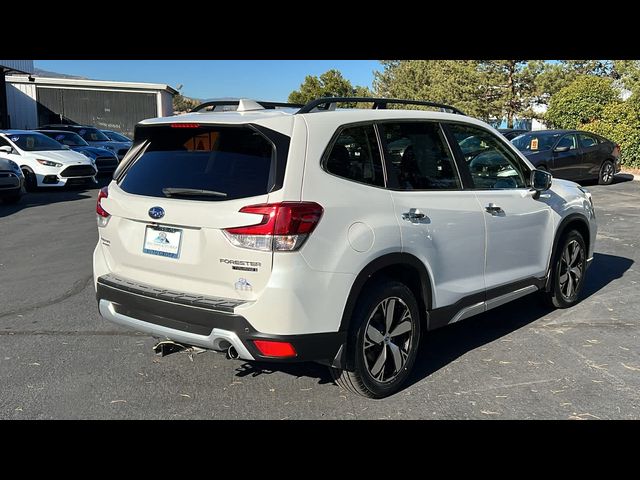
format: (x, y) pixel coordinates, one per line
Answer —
(156, 212)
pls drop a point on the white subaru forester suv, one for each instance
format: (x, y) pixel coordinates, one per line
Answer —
(332, 235)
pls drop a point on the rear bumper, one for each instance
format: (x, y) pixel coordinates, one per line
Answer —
(204, 322)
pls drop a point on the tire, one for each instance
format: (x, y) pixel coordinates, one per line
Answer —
(373, 340)
(11, 199)
(30, 183)
(568, 272)
(607, 171)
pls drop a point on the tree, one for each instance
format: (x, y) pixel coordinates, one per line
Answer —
(457, 83)
(184, 104)
(330, 84)
(628, 73)
(620, 123)
(581, 102)
(553, 77)
(512, 85)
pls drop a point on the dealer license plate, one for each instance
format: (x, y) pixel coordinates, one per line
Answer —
(162, 241)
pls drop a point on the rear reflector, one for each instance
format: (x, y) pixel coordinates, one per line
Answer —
(185, 125)
(269, 348)
(284, 226)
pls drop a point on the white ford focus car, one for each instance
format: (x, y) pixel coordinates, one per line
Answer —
(331, 235)
(45, 162)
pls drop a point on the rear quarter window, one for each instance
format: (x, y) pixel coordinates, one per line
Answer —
(238, 162)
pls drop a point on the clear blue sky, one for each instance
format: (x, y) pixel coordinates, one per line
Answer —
(260, 79)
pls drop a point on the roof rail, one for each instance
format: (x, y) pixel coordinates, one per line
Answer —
(378, 103)
(225, 103)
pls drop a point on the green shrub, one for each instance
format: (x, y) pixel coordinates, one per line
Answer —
(620, 123)
(581, 102)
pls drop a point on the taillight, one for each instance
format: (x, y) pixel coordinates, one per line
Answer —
(185, 125)
(102, 216)
(269, 348)
(284, 226)
(616, 151)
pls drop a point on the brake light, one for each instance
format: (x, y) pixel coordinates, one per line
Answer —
(284, 226)
(185, 125)
(269, 348)
(102, 216)
(616, 150)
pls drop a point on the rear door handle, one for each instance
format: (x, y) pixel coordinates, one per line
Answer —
(493, 208)
(413, 214)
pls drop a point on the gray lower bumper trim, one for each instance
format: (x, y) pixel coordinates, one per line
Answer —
(214, 341)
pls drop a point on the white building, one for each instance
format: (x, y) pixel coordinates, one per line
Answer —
(8, 67)
(35, 101)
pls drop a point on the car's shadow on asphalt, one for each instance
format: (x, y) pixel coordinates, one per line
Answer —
(618, 178)
(46, 196)
(622, 177)
(441, 347)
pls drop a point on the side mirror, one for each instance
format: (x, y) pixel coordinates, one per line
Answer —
(562, 149)
(6, 149)
(540, 181)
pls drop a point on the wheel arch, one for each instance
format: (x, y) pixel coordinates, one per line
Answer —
(403, 267)
(574, 221)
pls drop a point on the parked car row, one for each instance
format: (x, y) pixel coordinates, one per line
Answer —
(56, 156)
(95, 137)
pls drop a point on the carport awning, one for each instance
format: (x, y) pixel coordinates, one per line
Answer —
(12, 71)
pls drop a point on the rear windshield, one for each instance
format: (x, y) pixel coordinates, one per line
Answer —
(235, 162)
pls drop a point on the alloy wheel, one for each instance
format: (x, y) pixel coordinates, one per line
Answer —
(388, 339)
(607, 172)
(571, 269)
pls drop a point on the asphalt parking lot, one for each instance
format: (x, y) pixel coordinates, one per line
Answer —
(59, 359)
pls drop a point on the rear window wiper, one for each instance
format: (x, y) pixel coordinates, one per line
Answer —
(191, 192)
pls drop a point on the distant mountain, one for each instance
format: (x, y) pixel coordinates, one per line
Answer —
(46, 73)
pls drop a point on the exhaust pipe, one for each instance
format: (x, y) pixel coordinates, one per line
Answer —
(232, 353)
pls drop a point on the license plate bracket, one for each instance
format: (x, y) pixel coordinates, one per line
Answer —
(162, 241)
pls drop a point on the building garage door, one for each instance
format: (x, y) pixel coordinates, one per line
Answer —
(109, 110)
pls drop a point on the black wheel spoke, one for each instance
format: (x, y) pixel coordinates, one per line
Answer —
(571, 269)
(388, 339)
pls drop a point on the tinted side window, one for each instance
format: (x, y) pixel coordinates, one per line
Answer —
(4, 143)
(587, 141)
(568, 141)
(355, 156)
(490, 162)
(417, 157)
